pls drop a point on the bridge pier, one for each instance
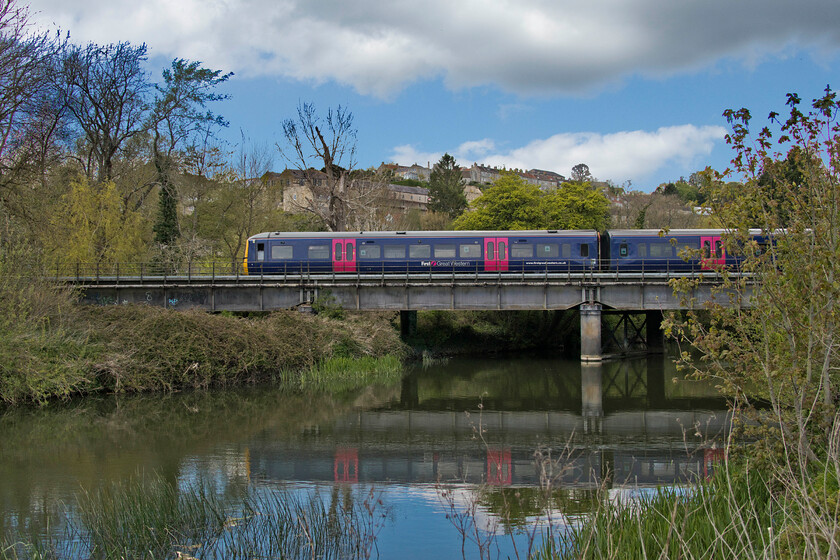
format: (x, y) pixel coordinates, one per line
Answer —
(590, 332)
(624, 338)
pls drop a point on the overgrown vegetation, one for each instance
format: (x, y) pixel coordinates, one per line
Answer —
(52, 348)
(778, 341)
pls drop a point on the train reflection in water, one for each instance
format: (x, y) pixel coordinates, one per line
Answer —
(605, 438)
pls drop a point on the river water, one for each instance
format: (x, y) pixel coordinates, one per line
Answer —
(463, 434)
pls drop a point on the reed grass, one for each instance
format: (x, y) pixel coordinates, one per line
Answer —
(341, 373)
(153, 518)
(727, 517)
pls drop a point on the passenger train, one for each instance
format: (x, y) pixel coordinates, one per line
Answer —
(486, 251)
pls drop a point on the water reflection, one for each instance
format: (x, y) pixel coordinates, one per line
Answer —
(465, 421)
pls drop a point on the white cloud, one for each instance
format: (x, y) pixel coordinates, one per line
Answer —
(527, 46)
(408, 155)
(618, 157)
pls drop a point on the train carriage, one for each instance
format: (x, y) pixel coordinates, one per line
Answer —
(677, 250)
(422, 251)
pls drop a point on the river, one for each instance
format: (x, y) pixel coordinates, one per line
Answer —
(482, 435)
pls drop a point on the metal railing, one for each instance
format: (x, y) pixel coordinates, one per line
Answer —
(214, 271)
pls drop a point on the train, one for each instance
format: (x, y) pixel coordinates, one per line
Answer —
(438, 252)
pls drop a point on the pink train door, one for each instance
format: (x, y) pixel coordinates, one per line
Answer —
(713, 252)
(495, 254)
(344, 255)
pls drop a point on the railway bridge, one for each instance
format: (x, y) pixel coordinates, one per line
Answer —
(592, 293)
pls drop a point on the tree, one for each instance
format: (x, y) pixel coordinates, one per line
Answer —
(511, 203)
(446, 188)
(581, 173)
(105, 88)
(31, 114)
(576, 206)
(784, 348)
(175, 119)
(329, 144)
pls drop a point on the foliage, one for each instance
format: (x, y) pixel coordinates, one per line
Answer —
(176, 118)
(446, 188)
(782, 348)
(42, 355)
(513, 204)
(93, 226)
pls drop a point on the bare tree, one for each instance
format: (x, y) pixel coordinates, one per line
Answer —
(31, 115)
(340, 197)
(105, 89)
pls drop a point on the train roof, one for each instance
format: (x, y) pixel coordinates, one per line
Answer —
(415, 234)
(672, 232)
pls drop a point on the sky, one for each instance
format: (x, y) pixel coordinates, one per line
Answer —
(635, 89)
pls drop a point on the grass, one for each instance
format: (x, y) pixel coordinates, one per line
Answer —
(152, 518)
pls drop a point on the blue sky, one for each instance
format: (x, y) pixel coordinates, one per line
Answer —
(633, 88)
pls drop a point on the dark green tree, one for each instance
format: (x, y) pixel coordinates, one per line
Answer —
(177, 115)
(446, 188)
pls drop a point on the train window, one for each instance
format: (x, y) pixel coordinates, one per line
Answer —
(338, 254)
(319, 252)
(718, 248)
(349, 249)
(707, 250)
(445, 251)
(566, 250)
(260, 251)
(370, 252)
(521, 251)
(584, 250)
(502, 251)
(661, 250)
(491, 250)
(394, 251)
(281, 252)
(641, 250)
(472, 250)
(548, 250)
(420, 251)
(622, 250)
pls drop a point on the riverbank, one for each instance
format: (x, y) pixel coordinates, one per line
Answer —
(57, 349)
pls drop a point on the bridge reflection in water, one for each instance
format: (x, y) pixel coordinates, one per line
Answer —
(613, 423)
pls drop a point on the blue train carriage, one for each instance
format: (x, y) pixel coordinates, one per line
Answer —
(678, 250)
(652, 250)
(421, 251)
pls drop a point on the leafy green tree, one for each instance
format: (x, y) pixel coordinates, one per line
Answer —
(784, 346)
(446, 188)
(512, 204)
(576, 206)
(92, 227)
